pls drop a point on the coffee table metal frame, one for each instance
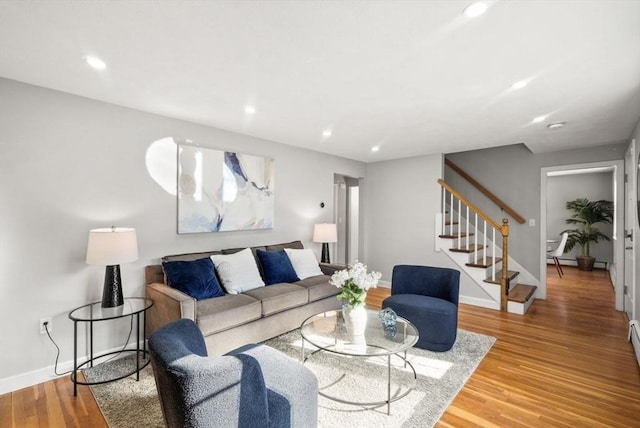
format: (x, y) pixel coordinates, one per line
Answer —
(408, 329)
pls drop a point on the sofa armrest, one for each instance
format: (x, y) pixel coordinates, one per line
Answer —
(331, 268)
(169, 305)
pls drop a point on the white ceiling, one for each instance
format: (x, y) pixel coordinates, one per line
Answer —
(413, 77)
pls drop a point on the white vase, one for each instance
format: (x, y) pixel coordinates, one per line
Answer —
(355, 319)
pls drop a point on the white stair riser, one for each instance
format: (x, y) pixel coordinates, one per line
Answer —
(479, 275)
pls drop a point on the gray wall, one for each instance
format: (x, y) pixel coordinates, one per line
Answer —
(405, 196)
(70, 164)
(513, 174)
(593, 186)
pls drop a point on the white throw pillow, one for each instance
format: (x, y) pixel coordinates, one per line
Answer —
(238, 272)
(304, 263)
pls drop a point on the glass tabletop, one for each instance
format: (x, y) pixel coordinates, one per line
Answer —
(328, 331)
(95, 311)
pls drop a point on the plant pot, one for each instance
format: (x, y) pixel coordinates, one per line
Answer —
(585, 263)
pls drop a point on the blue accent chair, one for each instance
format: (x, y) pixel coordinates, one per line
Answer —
(428, 297)
(252, 386)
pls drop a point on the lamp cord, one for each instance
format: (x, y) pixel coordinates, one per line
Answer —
(55, 366)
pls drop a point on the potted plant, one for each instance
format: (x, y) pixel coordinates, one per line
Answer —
(586, 213)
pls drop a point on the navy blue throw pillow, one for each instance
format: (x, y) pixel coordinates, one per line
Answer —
(197, 278)
(276, 267)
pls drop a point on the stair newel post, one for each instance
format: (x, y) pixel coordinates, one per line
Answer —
(504, 281)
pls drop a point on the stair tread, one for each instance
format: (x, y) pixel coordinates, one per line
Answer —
(510, 275)
(521, 293)
(455, 236)
(489, 261)
(469, 249)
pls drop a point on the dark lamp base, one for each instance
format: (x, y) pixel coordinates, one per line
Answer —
(325, 253)
(112, 291)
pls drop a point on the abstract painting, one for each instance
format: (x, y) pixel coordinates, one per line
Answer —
(223, 191)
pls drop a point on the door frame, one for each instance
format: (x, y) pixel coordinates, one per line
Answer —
(618, 227)
(632, 161)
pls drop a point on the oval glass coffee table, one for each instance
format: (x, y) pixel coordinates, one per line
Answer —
(328, 333)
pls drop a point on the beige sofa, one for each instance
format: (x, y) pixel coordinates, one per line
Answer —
(233, 320)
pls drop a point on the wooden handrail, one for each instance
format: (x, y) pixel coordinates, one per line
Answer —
(475, 209)
(486, 192)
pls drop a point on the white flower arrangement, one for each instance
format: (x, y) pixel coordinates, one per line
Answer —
(355, 282)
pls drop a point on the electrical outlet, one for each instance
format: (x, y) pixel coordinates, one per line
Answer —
(49, 325)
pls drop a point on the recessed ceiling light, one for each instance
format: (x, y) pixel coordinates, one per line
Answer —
(95, 62)
(375, 148)
(556, 125)
(475, 9)
(539, 119)
(326, 133)
(249, 109)
(519, 85)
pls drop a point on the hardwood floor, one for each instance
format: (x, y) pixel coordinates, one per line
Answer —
(50, 404)
(566, 363)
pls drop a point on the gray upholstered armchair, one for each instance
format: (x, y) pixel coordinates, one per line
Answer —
(253, 386)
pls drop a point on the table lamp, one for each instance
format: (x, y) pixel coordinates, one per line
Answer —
(110, 247)
(325, 233)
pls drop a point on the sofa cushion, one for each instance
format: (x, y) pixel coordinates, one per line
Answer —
(304, 262)
(276, 267)
(279, 297)
(319, 287)
(195, 278)
(253, 251)
(222, 313)
(278, 247)
(189, 256)
(237, 250)
(238, 272)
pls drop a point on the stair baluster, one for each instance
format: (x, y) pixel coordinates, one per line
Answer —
(467, 229)
(484, 243)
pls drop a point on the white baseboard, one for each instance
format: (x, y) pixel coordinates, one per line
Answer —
(483, 303)
(384, 284)
(45, 374)
(573, 262)
(24, 380)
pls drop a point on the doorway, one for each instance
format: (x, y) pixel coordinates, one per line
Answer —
(613, 174)
(347, 217)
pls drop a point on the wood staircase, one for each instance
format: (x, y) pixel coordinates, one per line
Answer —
(468, 237)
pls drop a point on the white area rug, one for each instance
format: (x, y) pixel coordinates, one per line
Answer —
(440, 376)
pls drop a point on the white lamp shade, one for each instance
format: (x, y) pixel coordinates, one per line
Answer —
(112, 246)
(325, 232)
